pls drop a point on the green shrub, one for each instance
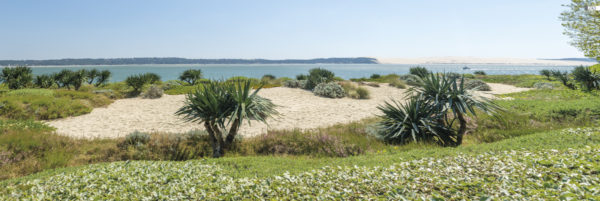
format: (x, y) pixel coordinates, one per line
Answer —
(477, 85)
(546, 73)
(398, 84)
(363, 93)
(419, 71)
(453, 75)
(43, 81)
(136, 82)
(588, 80)
(77, 78)
(191, 76)
(291, 83)
(150, 78)
(564, 78)
(479, 72)
(62, 78)
(31, 92)
(595, 69)
(268, 77)
(543, 85)
(17, 77)
(103, 78)
(153, 92)
(375, 76)
(470, 76)
(317, 76)
(330, 90)
(412, 80)
(298, 143)
(171, 84)
(301, 77)
(136, 139)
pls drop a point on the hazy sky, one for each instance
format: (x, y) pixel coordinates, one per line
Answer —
(282, 29)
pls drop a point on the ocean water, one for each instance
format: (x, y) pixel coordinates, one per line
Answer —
(346, 71)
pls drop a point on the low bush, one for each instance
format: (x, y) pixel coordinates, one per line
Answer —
(301, 77)
(375, 76)
(526, 81)
(43, 81)
(419, 71)
(546, 73)
(17, 77)
(363, 93)
(291, 83)
(586, 78)
(330, 90)
(153, 92)
(543, 85)
(268, 77)
(191, 76)
(353, 91)
(398, 84)
(43, 104)
(317, 76)
(170, 84)
(136, 139)
(298, 143)
(479, 72)
(477, 85)
(411, 80)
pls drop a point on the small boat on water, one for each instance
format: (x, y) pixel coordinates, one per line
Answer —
(466, 68)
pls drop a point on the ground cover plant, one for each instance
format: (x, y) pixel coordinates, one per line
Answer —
(536, 170)
(45, 104)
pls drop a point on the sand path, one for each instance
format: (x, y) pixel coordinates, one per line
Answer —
(299, 109)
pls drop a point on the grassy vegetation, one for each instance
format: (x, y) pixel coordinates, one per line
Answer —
(44, 104)
(526, 81)
(532, 165)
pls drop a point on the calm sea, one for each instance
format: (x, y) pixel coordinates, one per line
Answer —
(346, 71)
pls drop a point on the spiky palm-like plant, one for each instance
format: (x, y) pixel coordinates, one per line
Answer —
(92, 75)
(222, 107)
(415, 120)
(449, 96)
(588, 80)
(103, 78)
(191, 76)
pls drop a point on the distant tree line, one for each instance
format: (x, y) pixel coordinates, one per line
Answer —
(173, 60)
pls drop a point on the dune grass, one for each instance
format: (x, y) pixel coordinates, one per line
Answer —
(45, 104)
(525, 80)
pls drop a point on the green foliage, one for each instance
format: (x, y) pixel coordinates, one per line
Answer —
(268, 77)
(564, 78)
(103, 78)
(17, 77)
(291, 83)
(543, 85)
(588, 80)
(153, 92)
(191, 76)
(568, 154)
(353, 91)
(398, 84)
(375, 76)
(581, 24)
(595, 69)
(477, 85)
(218, 104)
(411, 80)
(137, 82)
(526, 81)
(92, 75)
(363, 93)
(546, 73)
(426, 117)
(301, 77)
(77, 78)
(414, 121)
(317, 76)
(44, 104)
(419, 71)
(479, 72)
(136, 139)
(298, 143)
(7, 125)
(330, 90)
(43, 81)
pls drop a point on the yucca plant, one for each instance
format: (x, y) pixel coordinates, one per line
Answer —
(17, 77)
(191, 76)
(546, 73)
(102, 78)
(419, 71)
(448, 95)
(415, 121)
(92, 75)
(563, 77)
(588, 80)
(222, 107)
(43, 81)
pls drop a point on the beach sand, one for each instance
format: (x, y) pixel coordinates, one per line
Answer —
(298, 109)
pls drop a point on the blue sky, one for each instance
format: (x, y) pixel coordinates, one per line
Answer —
(282, 29)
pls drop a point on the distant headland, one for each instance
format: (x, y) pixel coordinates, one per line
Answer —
(175, 60)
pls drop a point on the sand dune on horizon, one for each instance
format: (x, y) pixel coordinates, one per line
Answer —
(475, 60)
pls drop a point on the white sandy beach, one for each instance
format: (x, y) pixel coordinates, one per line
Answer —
(299, 109)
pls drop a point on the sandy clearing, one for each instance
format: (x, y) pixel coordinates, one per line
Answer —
(299, 109)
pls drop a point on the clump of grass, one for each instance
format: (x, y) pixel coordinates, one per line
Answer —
(153, 92)
(44, 104)
(398, 84)
(354, 91)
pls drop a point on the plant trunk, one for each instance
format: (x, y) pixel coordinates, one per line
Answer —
(219, 139)
(213, 140)
(232, 133)
(462, 129)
